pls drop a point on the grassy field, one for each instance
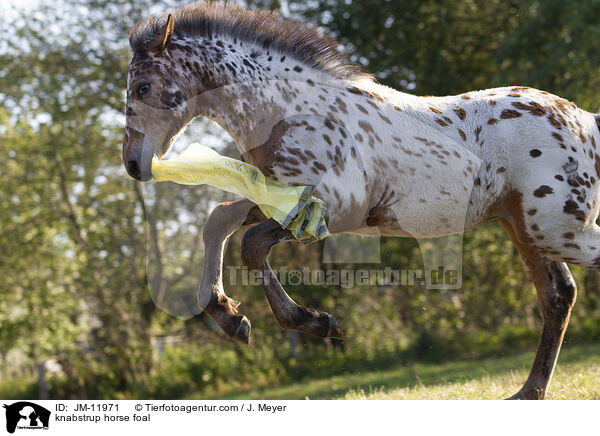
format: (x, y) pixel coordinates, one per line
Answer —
(576, 377)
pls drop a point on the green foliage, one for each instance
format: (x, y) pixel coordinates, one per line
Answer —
(21, 387)
(496, 377)
(183, 369)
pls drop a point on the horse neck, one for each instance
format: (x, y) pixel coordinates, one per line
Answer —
(248, 89)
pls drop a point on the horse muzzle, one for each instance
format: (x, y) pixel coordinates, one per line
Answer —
(137, 155)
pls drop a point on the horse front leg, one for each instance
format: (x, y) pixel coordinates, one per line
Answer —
(556, 291)
(225, 219)
(256, 246)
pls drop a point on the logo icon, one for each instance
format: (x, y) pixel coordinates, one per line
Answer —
(26, 415)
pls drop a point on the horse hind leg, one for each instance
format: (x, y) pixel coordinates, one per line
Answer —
(556, 291)
(225, 219)
(256, 245)
(579, 246)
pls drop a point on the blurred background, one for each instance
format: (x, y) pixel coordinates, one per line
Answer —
(76, 316)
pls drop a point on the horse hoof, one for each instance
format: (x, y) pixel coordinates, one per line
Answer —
(312, 322)
(242, 333)
(334, 331)
(327, 327)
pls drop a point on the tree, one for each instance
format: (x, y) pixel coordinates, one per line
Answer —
(85, 246)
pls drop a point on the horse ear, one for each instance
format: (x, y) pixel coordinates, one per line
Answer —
(170, 26)
(163, 36)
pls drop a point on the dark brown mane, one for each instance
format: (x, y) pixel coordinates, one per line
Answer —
(298, 40)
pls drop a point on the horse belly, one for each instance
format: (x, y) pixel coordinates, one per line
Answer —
(434, 194)
(426, 211)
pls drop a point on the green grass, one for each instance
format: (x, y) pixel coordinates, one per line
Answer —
(577, 377)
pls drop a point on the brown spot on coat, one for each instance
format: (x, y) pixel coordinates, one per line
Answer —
(386, 119)
(366, 126)
(535, 153)
(329, 124)
(362, 109)
(533, 107)
(373, 104)
(354, 90)
(319, 166)
(543, 190)
(572, 208)
(554, 121)
(509, 113)
(460, 113)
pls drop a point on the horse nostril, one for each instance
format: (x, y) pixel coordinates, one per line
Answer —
(133, 168)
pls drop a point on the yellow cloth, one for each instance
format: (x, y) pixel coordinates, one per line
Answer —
(294, 207)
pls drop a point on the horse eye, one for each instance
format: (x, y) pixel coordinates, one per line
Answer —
(142, 89)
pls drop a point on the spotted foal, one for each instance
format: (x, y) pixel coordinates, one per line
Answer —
(383, 161)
